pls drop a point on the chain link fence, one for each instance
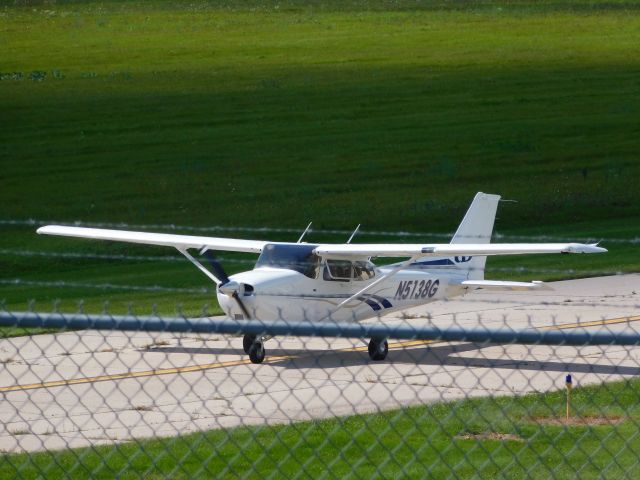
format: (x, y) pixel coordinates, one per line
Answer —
(489, 386)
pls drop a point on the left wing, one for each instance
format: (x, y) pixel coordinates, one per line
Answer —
(346, 251)
(181, 242)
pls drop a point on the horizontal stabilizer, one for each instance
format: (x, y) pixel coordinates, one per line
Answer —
(500, 285)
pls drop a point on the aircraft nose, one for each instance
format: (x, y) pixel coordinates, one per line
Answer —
(225, 303)
(235, 300)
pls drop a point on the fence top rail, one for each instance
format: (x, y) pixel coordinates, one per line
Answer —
(577, 336)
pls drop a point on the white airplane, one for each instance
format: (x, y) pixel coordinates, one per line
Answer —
(338, 282)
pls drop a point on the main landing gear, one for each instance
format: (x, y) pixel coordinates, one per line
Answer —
(254, 347)
(378, 349)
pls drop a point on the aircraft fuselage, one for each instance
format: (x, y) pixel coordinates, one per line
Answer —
(282, 294)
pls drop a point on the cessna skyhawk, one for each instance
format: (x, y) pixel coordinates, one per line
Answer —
(338, 282)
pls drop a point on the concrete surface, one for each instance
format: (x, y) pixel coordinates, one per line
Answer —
(77, 389)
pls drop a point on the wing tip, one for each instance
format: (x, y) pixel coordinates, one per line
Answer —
(50, 229)
(597, 249)
(585, 248)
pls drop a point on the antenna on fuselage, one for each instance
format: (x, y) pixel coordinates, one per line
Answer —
(353, 234)
(305, 232)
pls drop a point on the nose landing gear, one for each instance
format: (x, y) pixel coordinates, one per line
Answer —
(257, 352)
(247, 341)
(378, 349)
(254, 347)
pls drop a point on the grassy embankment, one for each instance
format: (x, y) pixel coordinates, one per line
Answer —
(162, 113)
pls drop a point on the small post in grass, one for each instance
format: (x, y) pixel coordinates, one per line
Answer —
(569, 385)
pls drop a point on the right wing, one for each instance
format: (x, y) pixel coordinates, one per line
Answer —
(360, 250)
(181, 242)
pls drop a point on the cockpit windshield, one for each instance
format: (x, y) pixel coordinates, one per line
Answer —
(298, 257)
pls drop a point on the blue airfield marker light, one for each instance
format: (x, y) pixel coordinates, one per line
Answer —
(568, 383)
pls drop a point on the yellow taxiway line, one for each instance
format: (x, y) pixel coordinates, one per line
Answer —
(595, 323)
(188, 369)
(234, 363)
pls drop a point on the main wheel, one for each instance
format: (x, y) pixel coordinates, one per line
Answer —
(378, 349)
(247, 341)
(256, 352)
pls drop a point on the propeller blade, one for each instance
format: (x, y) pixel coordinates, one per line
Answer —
(216, 266)
(236, 297)
(219, 272)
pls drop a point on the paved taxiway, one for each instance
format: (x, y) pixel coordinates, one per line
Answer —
(84, 388)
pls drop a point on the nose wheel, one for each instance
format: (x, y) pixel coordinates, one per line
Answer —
(378, 349)
(254, 347)
(247, 341)
(257, 352)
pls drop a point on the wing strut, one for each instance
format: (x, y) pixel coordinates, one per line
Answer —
(374, 283)
(228, 287)
(199, 266)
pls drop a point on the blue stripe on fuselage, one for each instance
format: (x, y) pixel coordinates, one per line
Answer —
(444, 262)
(370, 302)
(385, 303)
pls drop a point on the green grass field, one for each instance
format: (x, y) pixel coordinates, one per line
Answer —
(389, 114)
(417, 442)
(272, 114)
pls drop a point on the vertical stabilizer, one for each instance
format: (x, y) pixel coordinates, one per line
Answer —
(477, 227)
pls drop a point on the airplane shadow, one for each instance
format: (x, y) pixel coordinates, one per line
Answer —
(436, 355)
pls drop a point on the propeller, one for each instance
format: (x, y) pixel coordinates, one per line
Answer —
(227, 286)
(216, 266)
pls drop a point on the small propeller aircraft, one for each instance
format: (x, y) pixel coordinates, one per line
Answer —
(338, 282)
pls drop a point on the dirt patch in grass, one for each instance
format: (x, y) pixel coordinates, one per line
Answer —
(490, 436)
(579, 420)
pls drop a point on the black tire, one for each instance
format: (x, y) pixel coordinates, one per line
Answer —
(378, 350)
(257, 352)
(247, 341)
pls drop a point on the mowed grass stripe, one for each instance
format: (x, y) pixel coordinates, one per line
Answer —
(438, 110)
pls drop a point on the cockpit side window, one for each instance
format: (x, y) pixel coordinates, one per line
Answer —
(344, 270)
(363, 270)
(337, 270)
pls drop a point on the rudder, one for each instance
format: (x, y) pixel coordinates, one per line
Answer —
(477, 227)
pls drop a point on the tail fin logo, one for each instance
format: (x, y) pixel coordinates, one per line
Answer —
(462, 259)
